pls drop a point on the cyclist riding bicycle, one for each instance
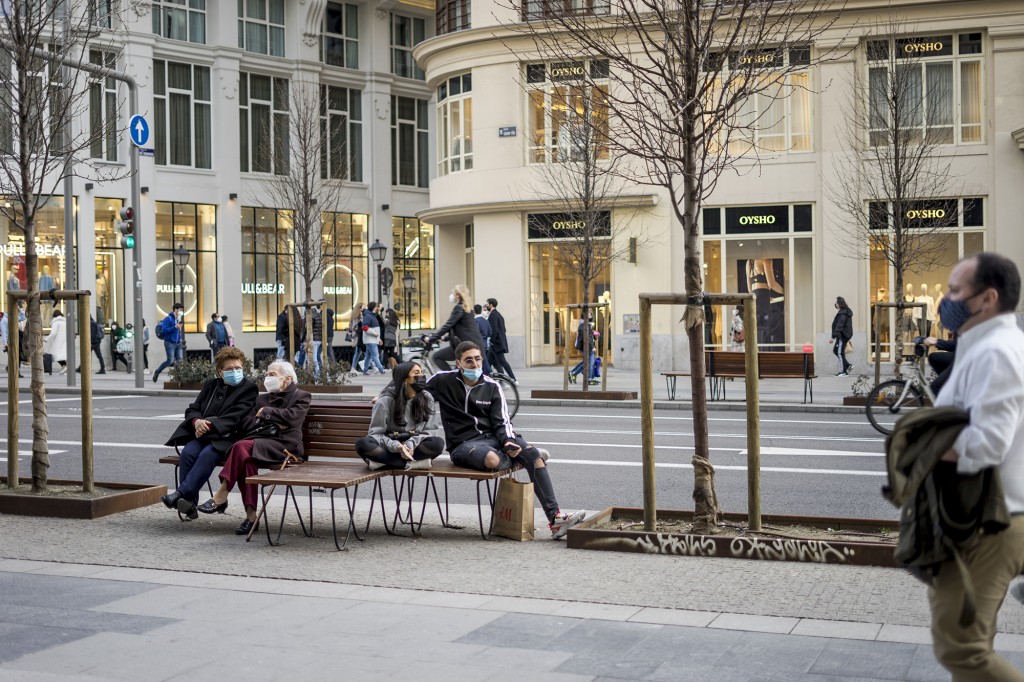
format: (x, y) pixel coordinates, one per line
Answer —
(460, 326)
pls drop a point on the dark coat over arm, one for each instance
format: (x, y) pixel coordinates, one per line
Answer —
(288, 410)
(225, 407)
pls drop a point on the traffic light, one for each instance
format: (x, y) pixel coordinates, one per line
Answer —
(127, 227)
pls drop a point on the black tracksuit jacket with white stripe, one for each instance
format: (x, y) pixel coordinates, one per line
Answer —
(469, 412)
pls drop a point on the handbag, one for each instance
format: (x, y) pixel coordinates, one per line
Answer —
(348, 336)
(262, 429)
(513, 510)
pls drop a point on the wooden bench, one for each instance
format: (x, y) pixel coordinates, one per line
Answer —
(722, 365)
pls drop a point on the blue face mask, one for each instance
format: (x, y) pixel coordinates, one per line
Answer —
(955, 313)
(472, 374)
(233, 377)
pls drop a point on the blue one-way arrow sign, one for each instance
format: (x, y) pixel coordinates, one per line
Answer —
(138, 129)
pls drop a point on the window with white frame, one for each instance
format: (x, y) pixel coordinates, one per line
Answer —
(453, 15)
(455, 124)
(542, 9)
(261, 26)
(341, 129)
(263, 123)
(101, 13)
(103, 109)
(776, 117)
(339, 44)
(409, 142)
(568, 111)
(406, 33)
(182, 129)
(931, 86)
(44, 94)
(180, 20)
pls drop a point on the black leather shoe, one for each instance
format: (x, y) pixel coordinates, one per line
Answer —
(246, 526)
(187, 508)
(211, 507)
(171, 499)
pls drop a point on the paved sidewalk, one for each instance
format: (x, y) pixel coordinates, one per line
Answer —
(775, 393)
(444, 605)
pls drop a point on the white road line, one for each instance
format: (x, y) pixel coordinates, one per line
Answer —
(78, 400)
(715, 435)
(831, 422)
(797, 452)
(27, 454)
(629, 446)
(781, 452)
(721, 467)
(78, 416)
(137, 446)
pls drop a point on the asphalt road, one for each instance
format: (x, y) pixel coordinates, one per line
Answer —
(811, 464)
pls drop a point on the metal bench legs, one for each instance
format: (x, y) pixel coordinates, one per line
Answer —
(265, 518)
(350, 502)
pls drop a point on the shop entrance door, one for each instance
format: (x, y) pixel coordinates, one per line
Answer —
(553, 287)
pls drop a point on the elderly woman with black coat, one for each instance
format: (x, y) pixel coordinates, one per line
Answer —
(460, 326)
(213, 422)
(272, 432)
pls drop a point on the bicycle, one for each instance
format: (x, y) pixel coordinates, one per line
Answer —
(897, 397)
(415, 349)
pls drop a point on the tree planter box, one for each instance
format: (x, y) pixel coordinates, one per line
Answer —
(758, 547)
(855, 400)
(580, 395)
(176, 386)
(132, 496)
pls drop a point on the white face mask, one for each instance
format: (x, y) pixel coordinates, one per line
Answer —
(272, 383)
(178, 315)
(452, 298)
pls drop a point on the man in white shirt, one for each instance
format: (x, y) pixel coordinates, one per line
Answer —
(987, 381)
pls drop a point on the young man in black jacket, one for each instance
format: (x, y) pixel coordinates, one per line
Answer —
(499, 340)
(479, 432)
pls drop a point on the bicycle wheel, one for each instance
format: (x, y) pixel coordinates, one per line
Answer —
(888, 401)
(511, 393)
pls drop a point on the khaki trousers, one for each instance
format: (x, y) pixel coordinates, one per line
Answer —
(968, 652)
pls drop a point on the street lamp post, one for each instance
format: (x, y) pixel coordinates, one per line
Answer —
(181, 257)
(408, 287)
(378, 252)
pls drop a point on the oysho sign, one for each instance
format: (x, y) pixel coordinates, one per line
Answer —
(917, 48)
(757, 220)
(555, 226)
(45, 250)
(568, 71)
(929, 213)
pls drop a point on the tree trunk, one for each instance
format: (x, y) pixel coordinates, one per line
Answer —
(588, 337)
(308, 345)
(34, 351)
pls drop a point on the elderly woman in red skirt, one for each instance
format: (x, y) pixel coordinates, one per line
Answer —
(283, 406)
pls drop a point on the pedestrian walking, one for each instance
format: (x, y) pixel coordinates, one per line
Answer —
(486, 332)
(228, 329)
(56, 343)
(329, 351)
(842, 332)
(479, 433)
(117, 333)
(987, 381)
(583, 329)
(96, 342)
(212, 424)
(271, 431)
(460, 326)
(499, 340)
(737, 336)
(281, 334)
(372, 338)
(355, 331)
(391, 327)
(170, 331)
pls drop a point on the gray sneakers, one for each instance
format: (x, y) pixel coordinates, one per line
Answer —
(563, 522)
(418, 464)
(544, 454)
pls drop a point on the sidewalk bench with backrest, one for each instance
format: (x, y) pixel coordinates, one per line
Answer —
(721, 365)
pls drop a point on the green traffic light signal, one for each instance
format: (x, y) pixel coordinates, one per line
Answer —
(128, 242)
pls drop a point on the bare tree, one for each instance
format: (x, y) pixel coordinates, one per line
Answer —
(891, 184)
(40, 105)
(575, 178)
(684, 76)
(310, 160)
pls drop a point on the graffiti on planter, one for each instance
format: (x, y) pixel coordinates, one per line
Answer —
(659, 543)
(816, 551)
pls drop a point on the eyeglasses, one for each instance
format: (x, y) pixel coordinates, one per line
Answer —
(473, 361)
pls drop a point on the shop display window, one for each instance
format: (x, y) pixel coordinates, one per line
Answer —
(193, 228)
(413, 249)
(568, 111)
(344, 277)
(268, 279)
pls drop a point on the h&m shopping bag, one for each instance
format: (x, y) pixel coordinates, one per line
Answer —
(513, 510)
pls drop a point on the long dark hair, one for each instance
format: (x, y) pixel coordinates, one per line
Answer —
(842, 302)
(420, 403)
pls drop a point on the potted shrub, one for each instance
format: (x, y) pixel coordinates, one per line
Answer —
(860, 389)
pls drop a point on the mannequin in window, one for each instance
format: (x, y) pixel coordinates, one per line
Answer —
(881, 296)
(101, 296)
(908, 319)
(939, 294)
(13, 283)
(46, 284)
(928, 314)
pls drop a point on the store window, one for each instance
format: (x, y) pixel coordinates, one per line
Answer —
(261, 26)
(543, 9)
(413, 247)
(182, 129)
(50, 250)
(103, 109)
(409, 164)
(452, 15)
(192, 227)
(568, 111)
(759, 250)
(932, 84)
(339, 44)
(111, 264)
(345, 280)
(776, 118)
(406, 33)
(455, 125)
(341, 158)
(180, 20)
(263, 124)
(268, 281)
(942, 231)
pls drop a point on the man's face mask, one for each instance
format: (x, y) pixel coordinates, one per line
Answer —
(954, 314)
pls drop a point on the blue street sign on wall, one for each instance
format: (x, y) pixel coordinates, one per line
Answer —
(138, 129)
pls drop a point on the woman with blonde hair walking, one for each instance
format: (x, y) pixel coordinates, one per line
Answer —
(460, 326)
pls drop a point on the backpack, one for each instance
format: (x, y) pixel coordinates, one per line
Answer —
(95, 332)
(221, 333)
(160, 332)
